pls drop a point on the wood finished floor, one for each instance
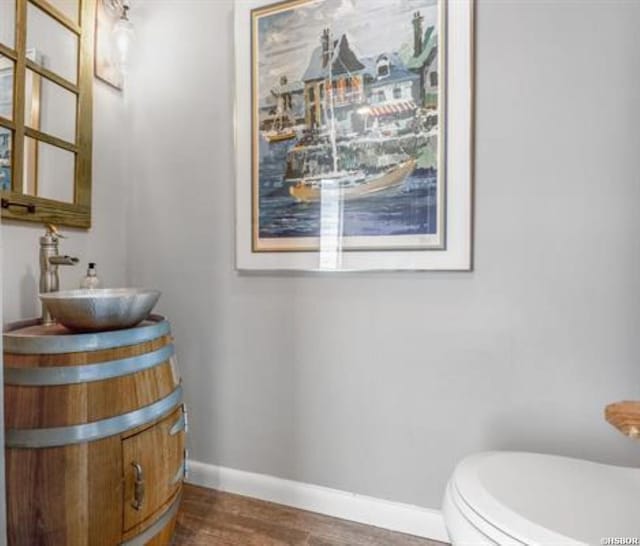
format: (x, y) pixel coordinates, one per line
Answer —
(209, 517)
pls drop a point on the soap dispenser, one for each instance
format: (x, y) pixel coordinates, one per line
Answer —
(91, 280)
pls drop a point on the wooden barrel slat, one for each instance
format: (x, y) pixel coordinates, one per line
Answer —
(66, 405)
(95, 430)
(78, 493)
(31, 337)
(87, 373)
(159, 529)
(13, 360)
(54, 489)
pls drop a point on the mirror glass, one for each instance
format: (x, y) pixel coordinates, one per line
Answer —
(49, 171)
(69, 8)
(49, 108)
(56, 45)
(6, 87)
(5, 159)
(7, 22)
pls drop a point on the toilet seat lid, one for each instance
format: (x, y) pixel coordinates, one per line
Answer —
(546, 499)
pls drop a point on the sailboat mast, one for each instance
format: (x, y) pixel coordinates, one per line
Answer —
(332, 126)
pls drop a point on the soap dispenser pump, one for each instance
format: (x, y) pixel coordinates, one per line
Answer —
(91, 279)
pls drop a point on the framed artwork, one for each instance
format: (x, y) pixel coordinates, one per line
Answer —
(107, 67)
(353, 134)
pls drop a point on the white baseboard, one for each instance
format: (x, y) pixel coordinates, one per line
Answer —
(405, 518)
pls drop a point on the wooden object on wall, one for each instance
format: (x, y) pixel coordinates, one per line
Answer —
(625, 416)
(94, 438)
(77, 213)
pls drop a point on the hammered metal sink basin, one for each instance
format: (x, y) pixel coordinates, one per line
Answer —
(100, 309)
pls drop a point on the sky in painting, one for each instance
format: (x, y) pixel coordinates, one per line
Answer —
(287, 39)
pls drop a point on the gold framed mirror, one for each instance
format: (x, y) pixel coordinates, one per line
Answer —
(46, 100)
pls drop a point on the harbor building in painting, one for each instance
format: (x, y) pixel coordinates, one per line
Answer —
(384, 87)
(378, 109)
(284, 102)
(367, 91)
(345, 75)
(392, 90)
(424, 61)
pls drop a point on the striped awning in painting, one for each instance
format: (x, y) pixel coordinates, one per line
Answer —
(393, 108)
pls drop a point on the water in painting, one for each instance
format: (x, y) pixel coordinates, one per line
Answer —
(347, 123)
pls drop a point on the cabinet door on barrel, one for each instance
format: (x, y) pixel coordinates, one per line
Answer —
(153, 462)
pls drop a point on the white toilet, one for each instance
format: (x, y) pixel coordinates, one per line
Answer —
(526, 498)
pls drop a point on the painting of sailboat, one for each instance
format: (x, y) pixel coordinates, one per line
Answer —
(348, 116)
(350, 185)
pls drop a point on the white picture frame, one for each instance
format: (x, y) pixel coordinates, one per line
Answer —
(455, 254)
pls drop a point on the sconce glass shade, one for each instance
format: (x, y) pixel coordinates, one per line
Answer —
(113, 7)
(123, 36)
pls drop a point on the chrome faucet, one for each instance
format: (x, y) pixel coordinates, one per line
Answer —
(50, 259)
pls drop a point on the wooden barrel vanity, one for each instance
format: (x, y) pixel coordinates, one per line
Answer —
(94, 435)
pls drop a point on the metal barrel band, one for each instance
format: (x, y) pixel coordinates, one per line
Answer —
(69, 375)
(179, 425)
(89, 432)
(178, 476)
(157, 527)
(76, 343)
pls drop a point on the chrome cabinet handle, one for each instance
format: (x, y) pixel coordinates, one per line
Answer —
(138, 487)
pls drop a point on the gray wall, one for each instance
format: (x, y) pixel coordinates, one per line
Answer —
(378, 384)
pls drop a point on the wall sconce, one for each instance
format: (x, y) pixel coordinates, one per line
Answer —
(123, 31)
